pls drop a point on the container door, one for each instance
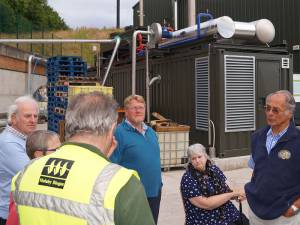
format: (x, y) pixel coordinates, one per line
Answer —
(268, 81)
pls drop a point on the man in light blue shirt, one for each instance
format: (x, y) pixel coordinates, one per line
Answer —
(22, 120)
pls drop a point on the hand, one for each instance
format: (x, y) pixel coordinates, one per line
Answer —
(289, 212)
(239, 194)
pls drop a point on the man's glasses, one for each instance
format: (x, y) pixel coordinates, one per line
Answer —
(137, 108)
(274, 110)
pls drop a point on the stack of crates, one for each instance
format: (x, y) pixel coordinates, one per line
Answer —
(67, 76)
(61, 70)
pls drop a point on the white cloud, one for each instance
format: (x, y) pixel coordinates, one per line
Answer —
(93, 13)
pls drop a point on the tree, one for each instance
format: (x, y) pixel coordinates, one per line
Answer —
(7, 18)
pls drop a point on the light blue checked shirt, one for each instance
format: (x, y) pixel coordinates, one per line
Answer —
(270, 143)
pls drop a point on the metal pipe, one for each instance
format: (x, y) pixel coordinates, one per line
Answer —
(191, 12)
(175, 6)
(224, 26)
(118, 41)
(30, 58)
(133, 58)
(158, 77)
(29, 74)
(147, 85)
(118, 14)
(37, 41)
(141, 8)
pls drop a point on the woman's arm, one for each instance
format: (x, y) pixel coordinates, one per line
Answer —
(212, 202)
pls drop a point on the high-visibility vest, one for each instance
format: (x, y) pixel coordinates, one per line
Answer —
(71, 186)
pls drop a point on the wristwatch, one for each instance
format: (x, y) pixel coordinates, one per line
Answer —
(295, 209)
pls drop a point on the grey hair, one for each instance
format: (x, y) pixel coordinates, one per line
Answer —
(38, 140)
(93, 113)
(196, 149)
(13, 109)
(289, 99)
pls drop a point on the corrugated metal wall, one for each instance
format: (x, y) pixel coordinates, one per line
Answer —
(155, 11)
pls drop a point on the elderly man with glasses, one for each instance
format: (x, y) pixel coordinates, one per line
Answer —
(273, 193)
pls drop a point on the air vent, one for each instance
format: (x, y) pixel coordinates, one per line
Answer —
(239, 93)
(285, 63)
(201, 93)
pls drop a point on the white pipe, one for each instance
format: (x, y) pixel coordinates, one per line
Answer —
(30, 58)
(55, 41)
(118, 41)
(158, 77)
(147, 85)
(133, 58)
(141, 8)
(191, 12)
(29, 74)
(175, 7)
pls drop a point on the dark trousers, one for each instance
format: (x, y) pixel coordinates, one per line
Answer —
(2, 221)
(154, 203)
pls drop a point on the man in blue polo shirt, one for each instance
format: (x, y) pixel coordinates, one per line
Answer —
(273, 193)
(22, 120)
(138, 149)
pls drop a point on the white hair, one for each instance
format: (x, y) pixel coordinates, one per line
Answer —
(196, 149)
(13, 109)
(93, 112)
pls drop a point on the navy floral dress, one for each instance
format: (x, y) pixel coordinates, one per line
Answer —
(223, 215)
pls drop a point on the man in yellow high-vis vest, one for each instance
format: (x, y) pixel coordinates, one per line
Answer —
(78, 184)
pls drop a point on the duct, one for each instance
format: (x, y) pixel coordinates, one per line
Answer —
(261, 30)
(224, 26)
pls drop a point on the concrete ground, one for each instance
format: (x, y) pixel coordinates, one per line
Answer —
(171, 209)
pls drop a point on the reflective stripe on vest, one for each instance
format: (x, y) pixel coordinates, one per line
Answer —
(99, 210)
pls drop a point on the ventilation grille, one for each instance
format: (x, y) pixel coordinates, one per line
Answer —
(201, 93)
(239, 93)
(285, 63)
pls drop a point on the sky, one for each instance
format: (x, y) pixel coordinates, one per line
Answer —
(93, 13)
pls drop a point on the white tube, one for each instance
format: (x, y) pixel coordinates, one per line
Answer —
(118, 41)
(133, 58)
(175, 6)
(191, 12)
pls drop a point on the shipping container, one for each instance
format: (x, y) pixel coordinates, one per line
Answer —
(216, 88)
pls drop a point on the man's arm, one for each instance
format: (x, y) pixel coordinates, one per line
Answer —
(16, 158)
(132, 206)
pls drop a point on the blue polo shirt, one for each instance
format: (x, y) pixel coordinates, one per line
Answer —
(13, 158)
(140, 152)
(275, 183)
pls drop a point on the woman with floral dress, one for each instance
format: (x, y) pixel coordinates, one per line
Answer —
(206, 196)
